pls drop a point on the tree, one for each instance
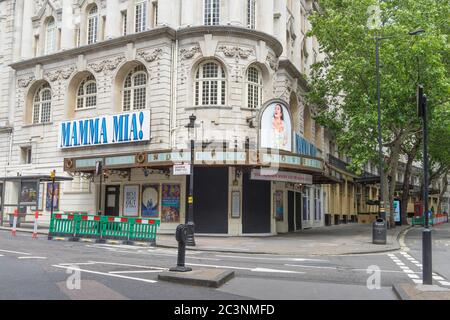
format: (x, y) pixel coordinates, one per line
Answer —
(343, 85)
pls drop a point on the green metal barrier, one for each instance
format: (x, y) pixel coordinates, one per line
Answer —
(102, 227)
(420, 221)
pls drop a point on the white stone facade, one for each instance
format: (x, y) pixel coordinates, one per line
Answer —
(173, 45)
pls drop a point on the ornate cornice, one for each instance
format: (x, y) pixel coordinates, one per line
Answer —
(234, 31)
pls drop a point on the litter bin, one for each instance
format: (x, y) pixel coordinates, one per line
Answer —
(379, 231)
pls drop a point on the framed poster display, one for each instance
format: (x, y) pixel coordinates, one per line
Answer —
(28, 193)
(48, 198)
(131, 201)
(150, 200)
(41, 197)
(170, 202)
(279, 209)
(235, 204)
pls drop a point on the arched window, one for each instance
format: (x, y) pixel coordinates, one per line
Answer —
(135, 89)
(87, 93)
(254, 88)
(210, 85)
(42, 104)
(92, 27)
(211, 12)
(141, 15)
(251, 14)
(50, 36)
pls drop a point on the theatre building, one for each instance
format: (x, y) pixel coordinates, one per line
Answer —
(128, 85)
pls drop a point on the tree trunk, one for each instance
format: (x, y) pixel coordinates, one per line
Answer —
(443, 190)
(395, 155)
(406, 182)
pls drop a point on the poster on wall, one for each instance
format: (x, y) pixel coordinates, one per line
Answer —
(276, 127)
(279, 210)
(150, 200)
(131, 201)
(48, 198)
(171, 194)
(28, 193)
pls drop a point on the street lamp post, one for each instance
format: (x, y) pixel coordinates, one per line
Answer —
(190, 240)
(382, 207)
(427, 269)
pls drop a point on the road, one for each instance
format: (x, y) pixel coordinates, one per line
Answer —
(42, 269)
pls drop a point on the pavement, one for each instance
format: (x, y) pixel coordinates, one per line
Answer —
(344, 239)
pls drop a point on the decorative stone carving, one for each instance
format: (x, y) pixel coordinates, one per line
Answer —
(235, 52)
(106, 65)
(25, 82)
(273, 62)
(39, 4)
(150, 56)
(187, 54)
(60, 74)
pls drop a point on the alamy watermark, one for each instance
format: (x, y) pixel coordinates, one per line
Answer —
(374, 280)
(73, 282)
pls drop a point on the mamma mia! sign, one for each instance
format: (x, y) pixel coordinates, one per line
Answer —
(105, 130)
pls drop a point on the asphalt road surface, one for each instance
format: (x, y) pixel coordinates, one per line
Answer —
(42, 269)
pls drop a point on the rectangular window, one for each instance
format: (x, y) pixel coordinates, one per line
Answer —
(141, 16)
(124, 23)
(251, 14)
(36, 46)
(155, 13)
(25, 154)
(211, 12)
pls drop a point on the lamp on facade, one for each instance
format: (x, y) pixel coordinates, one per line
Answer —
(190, 240)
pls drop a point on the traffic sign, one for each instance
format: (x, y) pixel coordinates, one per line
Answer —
(181, 169)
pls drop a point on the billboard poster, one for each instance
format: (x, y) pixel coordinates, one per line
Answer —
(397, 217)
(171, 194)
(48, 198)
(279, 210)
(276, 127)
(150, 201)
(131, 201)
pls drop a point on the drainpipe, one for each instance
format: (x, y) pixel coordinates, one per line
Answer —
(174, 93)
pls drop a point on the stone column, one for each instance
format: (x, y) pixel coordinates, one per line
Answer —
(265, 16)
(113, 28)
(27, 32)
(236, 11)
(187, 13)
(18, 17)
(280, 24)
(68, 26)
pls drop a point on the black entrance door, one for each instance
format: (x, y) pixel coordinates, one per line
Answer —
(298, 211)
(210, 200)
(291, 211)
(112, 199)
(255, 206)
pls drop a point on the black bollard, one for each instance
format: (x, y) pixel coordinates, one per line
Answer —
(181, 235)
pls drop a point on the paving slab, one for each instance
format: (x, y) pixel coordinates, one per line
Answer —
(200, 277)
(407, 291)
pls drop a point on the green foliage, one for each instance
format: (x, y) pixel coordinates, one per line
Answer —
(343, 86)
